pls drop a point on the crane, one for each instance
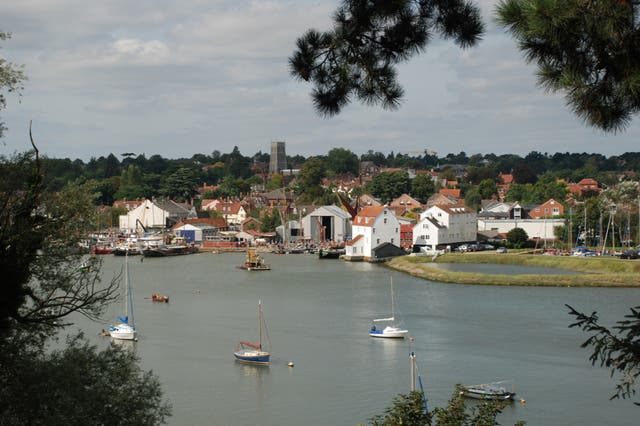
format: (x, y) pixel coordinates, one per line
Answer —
(423, 152)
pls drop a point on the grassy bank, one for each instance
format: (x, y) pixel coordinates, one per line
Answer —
(594, 271)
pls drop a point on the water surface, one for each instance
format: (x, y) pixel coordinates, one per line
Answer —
(318, 314)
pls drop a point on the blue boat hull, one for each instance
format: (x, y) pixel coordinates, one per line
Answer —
(253, 359)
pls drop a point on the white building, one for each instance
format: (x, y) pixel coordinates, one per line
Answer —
(372, 227)
(156, 214)
(327, 223)
(542, 229)
(443, 225)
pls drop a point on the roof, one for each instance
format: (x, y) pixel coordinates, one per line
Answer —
(353, 240)
(172, 207)
(368, 212)
(450, 191)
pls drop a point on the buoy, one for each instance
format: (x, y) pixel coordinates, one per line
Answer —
(411, 339)
(523, 401)
(290, 364)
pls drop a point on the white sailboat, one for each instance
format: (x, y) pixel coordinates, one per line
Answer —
(126, 330)
(391, 330)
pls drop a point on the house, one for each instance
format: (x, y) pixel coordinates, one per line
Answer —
(438, 199)
(405, 203)
(550, 208)
(127, 204)
(452, 192)
(368, 200)
(585, 185)
(374, 228)
(327, 223)
(157, 214)
(505, 180)
(233, 212)
(445, 225)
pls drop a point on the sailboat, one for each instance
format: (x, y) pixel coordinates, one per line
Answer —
(391, 330)
(126, 330)
(251, 352)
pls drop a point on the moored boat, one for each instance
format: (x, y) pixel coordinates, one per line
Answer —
(254, 353)
(254, 262)
(493, 390)
(126, 330)
(391, 330)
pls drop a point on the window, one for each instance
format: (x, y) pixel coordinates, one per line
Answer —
(385, 220)
(373, 230)
(392, 241)
(378, 241)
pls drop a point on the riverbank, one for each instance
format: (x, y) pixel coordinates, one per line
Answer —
(594, 271)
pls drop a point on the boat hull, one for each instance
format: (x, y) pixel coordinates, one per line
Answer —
(389, 334)
(487, 392)
(123, 332)
(253, 357)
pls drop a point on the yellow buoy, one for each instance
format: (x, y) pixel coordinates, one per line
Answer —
(523, 401)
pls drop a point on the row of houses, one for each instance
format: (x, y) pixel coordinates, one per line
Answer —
(371, 232)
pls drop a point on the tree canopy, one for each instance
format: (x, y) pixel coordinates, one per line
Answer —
(590, 51)
(357, 58)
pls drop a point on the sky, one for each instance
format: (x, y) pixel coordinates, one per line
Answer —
(178, 78)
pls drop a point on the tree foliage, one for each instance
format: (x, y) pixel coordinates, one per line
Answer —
(616, 348)
(517, 237)
(77, 385)
(357, 58)
(11, 79)
(43, 285)
(590, 51)
(389, 185)
(341, 160)
(409, 410)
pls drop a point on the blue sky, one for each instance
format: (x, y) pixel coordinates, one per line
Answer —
(177, 78)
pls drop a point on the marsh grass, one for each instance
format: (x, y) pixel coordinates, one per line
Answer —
(595, 271)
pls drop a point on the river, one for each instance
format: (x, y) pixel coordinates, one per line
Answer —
(318, 315)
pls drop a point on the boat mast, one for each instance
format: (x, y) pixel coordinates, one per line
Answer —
(260, 324)
(393, 313)
(128, 304)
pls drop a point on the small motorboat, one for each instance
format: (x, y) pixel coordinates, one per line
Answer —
(493, 390)
(157, 297)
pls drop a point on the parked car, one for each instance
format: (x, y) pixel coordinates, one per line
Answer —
(501, 250)
(630, 254)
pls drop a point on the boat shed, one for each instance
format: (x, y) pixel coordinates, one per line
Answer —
(327, 223)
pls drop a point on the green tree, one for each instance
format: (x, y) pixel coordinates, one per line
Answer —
(11, 79)
(357, 59)
(409, 410)
(487, 188)
(517, 237)
(181, 185)
(42, 287)
(587, 50)
(473, 199)
(389, 185)
(422, 187)
(341, 160)
(615, 348)
(310, 178)
(270, 220)
(275, 182)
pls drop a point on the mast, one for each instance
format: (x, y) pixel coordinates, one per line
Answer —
(260, 324)
(129, 299)
(393, 313)
(412, 360)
